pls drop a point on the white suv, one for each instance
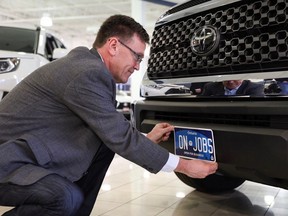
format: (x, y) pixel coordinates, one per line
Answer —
(22, 50)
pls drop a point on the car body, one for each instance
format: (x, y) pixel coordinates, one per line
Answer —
(24, 49)
(199, 42)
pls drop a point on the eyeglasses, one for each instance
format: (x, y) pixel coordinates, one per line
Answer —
(138, 57)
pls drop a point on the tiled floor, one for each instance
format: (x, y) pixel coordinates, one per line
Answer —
(129, 190)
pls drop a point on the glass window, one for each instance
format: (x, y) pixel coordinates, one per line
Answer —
(51, 44)
(17, 39)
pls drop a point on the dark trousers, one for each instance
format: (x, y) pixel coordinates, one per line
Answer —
(54, 195)
(90, 183)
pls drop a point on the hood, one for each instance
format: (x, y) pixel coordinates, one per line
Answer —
(9, 54)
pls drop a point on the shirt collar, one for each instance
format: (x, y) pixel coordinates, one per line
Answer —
(231, 91)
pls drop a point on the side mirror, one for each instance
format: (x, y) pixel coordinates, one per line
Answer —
(59, 53)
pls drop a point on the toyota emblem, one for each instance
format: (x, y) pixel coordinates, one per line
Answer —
(205, 40)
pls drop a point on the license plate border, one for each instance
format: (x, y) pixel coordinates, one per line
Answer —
(196, 129)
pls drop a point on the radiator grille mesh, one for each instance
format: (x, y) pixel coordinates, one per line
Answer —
(253, 37)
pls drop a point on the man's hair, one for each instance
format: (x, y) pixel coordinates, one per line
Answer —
(120, 26)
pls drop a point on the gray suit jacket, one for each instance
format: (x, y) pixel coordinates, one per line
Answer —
(56, 118)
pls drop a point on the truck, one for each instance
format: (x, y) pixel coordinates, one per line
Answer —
(213, 41)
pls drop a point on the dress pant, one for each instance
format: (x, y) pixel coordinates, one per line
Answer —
(90, 184)
(54, 195)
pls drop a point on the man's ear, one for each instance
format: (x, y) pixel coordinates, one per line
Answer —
(112, 44)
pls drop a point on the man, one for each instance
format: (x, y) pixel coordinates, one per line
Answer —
(59, 128)
(233, 87)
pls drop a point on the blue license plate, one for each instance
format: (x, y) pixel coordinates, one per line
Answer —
(196, 143)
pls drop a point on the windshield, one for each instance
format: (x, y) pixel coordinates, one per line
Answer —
(17, 39)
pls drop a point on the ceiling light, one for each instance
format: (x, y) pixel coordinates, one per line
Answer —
(46, 20)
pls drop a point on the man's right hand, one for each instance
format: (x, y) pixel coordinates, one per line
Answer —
(196, 168)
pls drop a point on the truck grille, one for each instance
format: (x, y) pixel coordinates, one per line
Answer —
(224, 119)
(253, 38)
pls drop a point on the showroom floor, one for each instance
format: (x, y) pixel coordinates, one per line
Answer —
(129, 190)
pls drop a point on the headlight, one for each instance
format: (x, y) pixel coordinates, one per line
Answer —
(8, 64)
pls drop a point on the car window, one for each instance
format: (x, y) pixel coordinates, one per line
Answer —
(51, 44)
(17, 39)
(59, 43)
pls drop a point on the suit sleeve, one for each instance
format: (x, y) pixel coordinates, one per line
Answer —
(255, 89)
(205, 91)
(91, 96)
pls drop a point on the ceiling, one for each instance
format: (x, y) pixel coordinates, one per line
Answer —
(77, 21)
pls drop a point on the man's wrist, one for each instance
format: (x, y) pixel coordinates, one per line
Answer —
(171, 163)
(181, 166)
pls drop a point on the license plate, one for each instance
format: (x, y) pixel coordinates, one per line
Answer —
(196, 143)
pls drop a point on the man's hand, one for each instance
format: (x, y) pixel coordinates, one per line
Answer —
(196, 168)
(160, 132)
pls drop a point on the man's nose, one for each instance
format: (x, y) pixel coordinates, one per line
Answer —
(137, 66)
